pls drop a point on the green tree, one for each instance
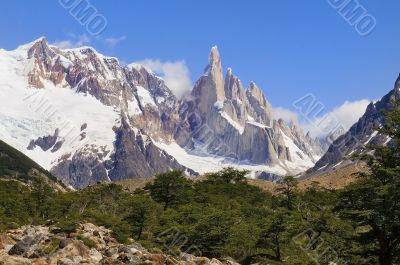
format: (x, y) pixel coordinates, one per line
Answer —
(372, 204)
(242, 240)
(227, 176)
(287, 189)
(42, 195)
(211, 232)
(170, 188)
(141, 214)
(273, 235)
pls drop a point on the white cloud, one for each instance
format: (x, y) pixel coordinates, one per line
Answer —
(113, 41)
(285, 114)
(342, 117)
(175, 74)
(77, 41)
(74, 42)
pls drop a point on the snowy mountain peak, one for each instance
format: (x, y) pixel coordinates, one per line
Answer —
(214, 57)
(229, 71)
(256, 92)
(139, 67)
(214, 66)
(27, 46)
(86, 118)
(243, 121)
(397, 87)
(210, 87)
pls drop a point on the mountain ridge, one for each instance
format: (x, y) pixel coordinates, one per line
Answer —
(361, 134)
(101, 99)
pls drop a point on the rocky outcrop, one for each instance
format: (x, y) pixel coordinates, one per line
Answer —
(46, 142)
(90, 244)
(83, 168)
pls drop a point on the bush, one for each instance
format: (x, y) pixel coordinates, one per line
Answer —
(52, 246)
(120, 230)
(66, 226)
(87, 241)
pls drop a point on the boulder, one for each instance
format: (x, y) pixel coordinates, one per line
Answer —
(201, 261)
(40, 262)
(5, 240)
(12, 260)
(22, 247)
(160, 259)
(215, 262)
(111, 252)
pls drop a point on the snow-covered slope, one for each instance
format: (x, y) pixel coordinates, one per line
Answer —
(86, 118)
(234, 123)
(64, 109)
(203, 162)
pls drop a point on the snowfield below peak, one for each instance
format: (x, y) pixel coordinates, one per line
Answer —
(86, 118)
(28, 113)
(203, 162)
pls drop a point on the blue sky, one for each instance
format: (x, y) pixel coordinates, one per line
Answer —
(288, 47)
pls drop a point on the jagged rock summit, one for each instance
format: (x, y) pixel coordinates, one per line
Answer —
(237, 123)
(87, 118)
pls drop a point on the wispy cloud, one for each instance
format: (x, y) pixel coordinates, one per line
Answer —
(73, 42)
(113, 41)
(285, 114)
(76, 41)
(344, 115)
(175, 74)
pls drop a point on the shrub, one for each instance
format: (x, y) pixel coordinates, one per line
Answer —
(66, 226)
(87, 241)
(52, 246)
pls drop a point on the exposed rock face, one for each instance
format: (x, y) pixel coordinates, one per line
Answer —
(210, 87)
(38, 245)
(46, 142)
(148, 159)
(120, 120)
(237, 123)
(261, 108)
(85, 167)
(362, 133)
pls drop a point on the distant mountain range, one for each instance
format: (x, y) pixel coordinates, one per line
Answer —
(86, 118)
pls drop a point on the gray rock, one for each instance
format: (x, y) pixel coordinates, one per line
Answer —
(46, 142)
(149, 160)
(28, 244)
(111, 251)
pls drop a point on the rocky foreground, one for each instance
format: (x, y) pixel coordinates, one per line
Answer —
(90, 244)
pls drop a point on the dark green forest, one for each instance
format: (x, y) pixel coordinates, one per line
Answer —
(224, 216)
